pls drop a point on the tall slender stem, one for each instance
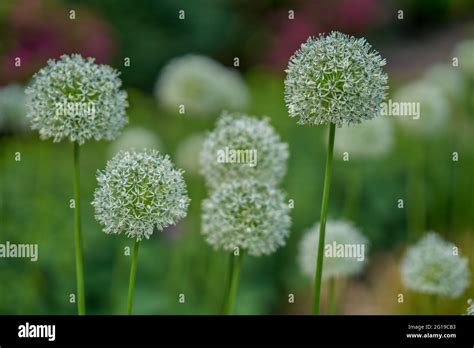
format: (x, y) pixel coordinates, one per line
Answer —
(322, 229)
(133, 273)
(81, 304)
(234, 282)
(332, 296)
(228, 278)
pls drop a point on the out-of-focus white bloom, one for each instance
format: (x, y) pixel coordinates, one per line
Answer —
(470, 309)
(464, 51)
(13, 109)
(368, 139)
(135, 138)
(345, 251)
(75, 98)
(335, 79)
(246, 214)
(433, 266)
(448, 79)
(243, 146)
(202, 85)
(188, 152)
(433, 107)
(138, 191)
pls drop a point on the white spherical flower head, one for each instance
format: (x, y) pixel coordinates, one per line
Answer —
(188, 152)
(433, 108)
(345, 251)
(243, 146)
(370, 139)
(203, 86)
(74, 98)
(139, 191)
(13, 108)
(135, 138)
(335, 79)
(246, 214)
(433, 266)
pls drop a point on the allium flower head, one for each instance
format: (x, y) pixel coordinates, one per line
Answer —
(243, 146)
(12, 108)
(202, 85)
(188, 152)
(369, 139)
(246, 214)
(432, 266)
(434, 107)
(135, 138)
(335, 79)
(75, 98)
(139, 191)
(343, 235)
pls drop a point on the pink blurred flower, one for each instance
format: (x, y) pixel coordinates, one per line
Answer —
(314, 17)
(40, 30)
(289, 34)
(358, 15)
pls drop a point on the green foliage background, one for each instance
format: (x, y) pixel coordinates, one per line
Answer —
(35, 192)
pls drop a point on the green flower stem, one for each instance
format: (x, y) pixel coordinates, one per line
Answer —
(228, 277)
(133, 273)
(81, 303)
(322, 230)
(332, 296)
(234, 281)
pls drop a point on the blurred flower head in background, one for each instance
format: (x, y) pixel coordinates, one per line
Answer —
(336, 79)
(434, 107)
(289, 34)
(242, 135)
(358, 15)
(369, 139)
(203, 86)
(139, 191)
(309, 18)
(41, 30)
(77, 99)
(246, 214)
(464, 51)
(188, 152)
(433, 266)
(135, 138)
(448, 79)
(13, 109)
(342, 233)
